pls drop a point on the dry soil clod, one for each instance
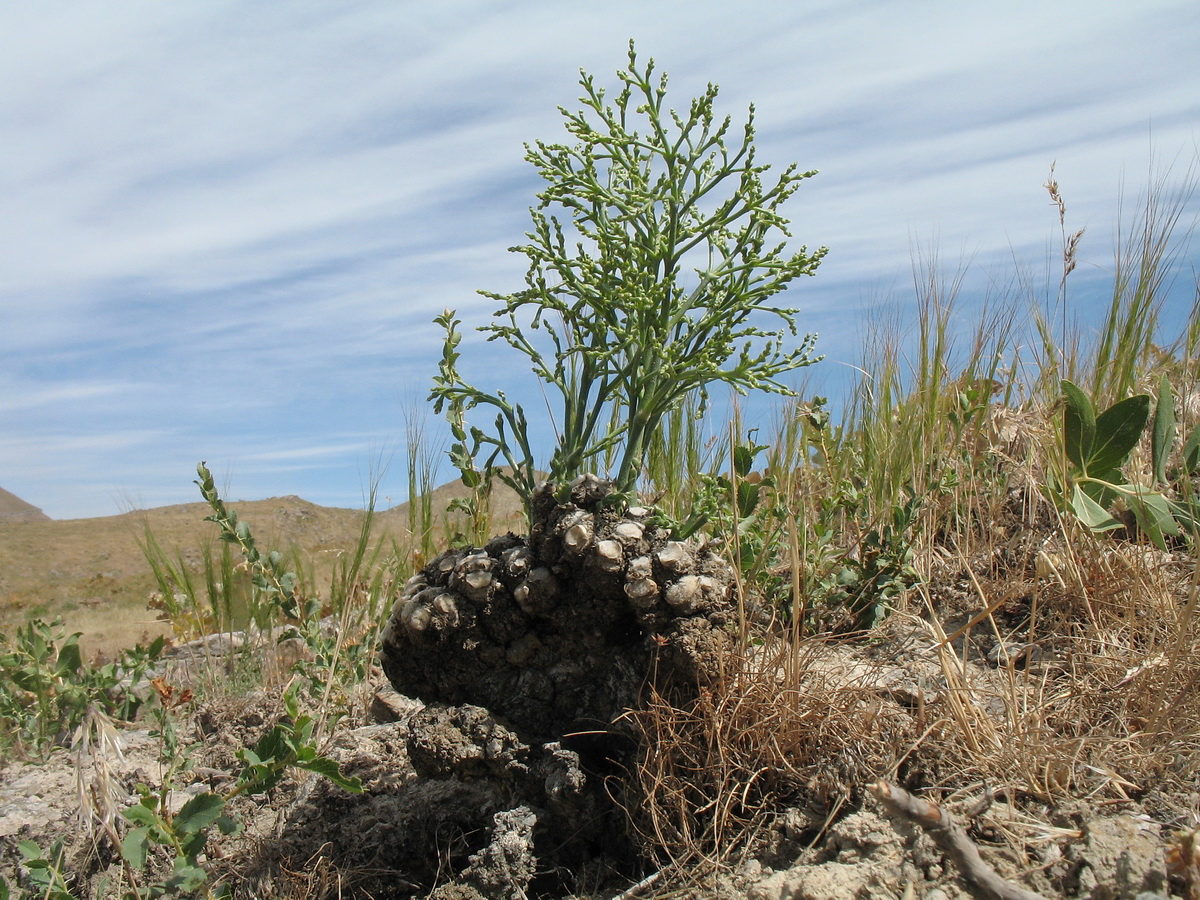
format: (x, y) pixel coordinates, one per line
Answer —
(550, 639)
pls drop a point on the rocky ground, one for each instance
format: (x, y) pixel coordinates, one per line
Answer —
(408, 832)
(499, 758)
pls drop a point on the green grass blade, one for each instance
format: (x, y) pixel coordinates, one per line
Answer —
(1163, 437)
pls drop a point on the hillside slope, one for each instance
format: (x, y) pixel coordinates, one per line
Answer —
(14, 509)
(94, 574)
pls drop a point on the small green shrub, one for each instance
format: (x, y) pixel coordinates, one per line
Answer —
(656, 288)
(46, 869)
(288, 745)
(46, 687)
(1098, 447)
(268, 571)
(339, 654)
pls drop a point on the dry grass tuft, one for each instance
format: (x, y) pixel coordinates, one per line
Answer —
(793, 726)
(1105, 709)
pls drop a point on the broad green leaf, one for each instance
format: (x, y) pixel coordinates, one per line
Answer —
(1118, 429)
(70, 659)
(1163, 438)
(1104, 490)
(1091, 513)
(1153, 513)
(744, 455)
(323, 765)
(747, 499)
(1079, 424)
(192, 845)
(1191, 452)
(199, 812)
(229, 825)
(139, 814)
(187, 878)
(134, 847)
(1187, 514)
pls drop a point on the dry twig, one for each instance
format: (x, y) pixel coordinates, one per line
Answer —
(952, 839)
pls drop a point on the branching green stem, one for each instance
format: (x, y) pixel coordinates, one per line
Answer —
(654, 283)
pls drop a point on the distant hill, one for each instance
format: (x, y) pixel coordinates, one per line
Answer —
(94, 574)
(14, 509)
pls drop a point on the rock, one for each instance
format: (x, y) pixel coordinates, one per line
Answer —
(529, 651)
(555, 633)
(464, 742)
(403, 831)
(503, 869)
(1120, 858)
(388, 705)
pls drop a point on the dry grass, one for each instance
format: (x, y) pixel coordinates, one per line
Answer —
(792, 726)
(1108, 712)
(1104, 707)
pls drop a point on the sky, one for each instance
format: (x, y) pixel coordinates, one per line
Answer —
(225, 227)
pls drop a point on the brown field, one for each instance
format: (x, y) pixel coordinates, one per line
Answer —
(94, 574)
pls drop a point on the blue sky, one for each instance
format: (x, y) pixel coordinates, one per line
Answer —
(225, 227)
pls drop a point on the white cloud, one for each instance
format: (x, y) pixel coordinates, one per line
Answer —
(223, 220)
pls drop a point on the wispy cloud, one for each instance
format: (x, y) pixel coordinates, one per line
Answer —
(226, 229)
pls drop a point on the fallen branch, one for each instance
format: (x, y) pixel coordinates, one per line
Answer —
(639, 887)
(953, 841)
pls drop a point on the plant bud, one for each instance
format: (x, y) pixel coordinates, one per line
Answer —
(416, 616)
(476, 584)
(640, 568)
(578, 534)
(628, 532)
(516, 561)
(538, 592)
(444, 611)
(643, 592)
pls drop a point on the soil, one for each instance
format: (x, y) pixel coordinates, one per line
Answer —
(417, 826)
(477, 786)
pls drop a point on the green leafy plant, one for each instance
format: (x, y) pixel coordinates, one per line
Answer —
(730, 505)
(186, 834)
(338, 656)
(290, 744)
(1097, 447)
(863, 584)
(46, 687)
(657, 286)
(268, 571)
(46, 871)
